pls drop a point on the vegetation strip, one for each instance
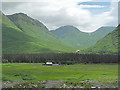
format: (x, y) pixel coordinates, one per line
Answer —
(84, 75)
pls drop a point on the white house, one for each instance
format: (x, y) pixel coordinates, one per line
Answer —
(49, 63)
(77, 51)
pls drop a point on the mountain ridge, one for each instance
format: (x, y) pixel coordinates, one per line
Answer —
(107, 45)
(39, 39)
(78, 39)
(23, 34)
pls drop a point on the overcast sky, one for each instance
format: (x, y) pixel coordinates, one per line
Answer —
(87, 16)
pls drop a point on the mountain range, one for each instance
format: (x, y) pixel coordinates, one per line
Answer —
(107, 45)
(78, 39)
(22, 34)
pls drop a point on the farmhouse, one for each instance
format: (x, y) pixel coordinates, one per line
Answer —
(49, 63)
(77, 51)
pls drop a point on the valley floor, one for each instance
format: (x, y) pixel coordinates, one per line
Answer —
(35, 75)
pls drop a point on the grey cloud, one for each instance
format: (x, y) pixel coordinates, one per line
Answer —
(54, 16)
(10, 5)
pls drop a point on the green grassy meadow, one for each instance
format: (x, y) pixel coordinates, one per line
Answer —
(72, 73)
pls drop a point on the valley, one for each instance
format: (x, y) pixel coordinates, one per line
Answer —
(27, 44)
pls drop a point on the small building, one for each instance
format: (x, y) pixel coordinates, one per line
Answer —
(77, 51)
(49, 63)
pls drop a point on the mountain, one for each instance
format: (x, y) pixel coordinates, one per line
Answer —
(78, 39)
(72, 36)
(23, 34)
(101, 32)
(107, 45)
(12, 37)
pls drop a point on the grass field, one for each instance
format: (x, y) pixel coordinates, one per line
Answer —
(32, 72)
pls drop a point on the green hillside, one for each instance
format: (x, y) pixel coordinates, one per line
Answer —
(100, 33)
(22, 34)
(78, 39)
(72, 36)
(12, 37)
(107, 45)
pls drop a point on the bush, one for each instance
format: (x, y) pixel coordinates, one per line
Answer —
(4, 61)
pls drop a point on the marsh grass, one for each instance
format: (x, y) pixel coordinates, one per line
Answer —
(78, 74)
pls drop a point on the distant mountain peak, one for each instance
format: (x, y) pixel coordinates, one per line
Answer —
(67, 28)
(24, 17)
(20, 14)
(105, 29)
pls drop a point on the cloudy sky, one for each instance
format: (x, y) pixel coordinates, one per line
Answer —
(86, 15)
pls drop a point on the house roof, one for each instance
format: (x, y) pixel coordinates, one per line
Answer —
(48, 62)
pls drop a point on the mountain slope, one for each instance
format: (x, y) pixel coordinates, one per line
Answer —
(108, 45)
(72, 36)
(78, 39)
(22, 34)
(101, 32)
(12, 37)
